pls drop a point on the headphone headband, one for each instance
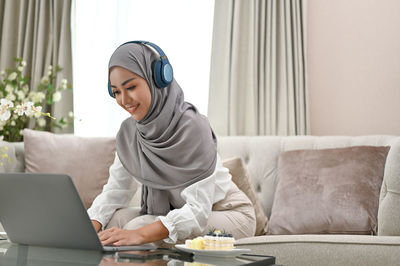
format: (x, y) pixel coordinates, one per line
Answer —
(155, 46)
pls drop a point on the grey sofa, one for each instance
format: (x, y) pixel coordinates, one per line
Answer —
(261, 154)
(261, 157)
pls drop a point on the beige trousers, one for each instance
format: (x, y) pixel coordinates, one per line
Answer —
(235, 214)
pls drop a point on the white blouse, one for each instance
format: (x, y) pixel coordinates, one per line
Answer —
(181, 223)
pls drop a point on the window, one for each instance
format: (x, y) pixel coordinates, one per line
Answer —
(182, 28)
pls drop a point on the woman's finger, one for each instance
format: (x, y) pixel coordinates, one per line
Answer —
(107, 232)
(102, 233)
(106, 235)
(112, 229)
(109, 240)
(121, 242)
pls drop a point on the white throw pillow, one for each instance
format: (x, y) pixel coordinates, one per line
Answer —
(86, 160)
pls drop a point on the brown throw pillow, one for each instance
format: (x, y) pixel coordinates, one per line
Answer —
(86, 160)
(331, 191)
(242, 179)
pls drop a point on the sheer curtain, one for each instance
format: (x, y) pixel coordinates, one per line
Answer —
(182, 28)
(258, 70)
(39, 32)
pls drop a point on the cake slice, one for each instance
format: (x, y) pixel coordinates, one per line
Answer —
(214, 240)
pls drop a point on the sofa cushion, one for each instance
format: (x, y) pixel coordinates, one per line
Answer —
(328, 191)
(241, 178)
(326, 250)
(86, 160)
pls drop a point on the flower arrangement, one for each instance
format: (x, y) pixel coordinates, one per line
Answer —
(22, 108)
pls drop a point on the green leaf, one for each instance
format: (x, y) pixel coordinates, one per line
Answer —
(50, 88)
(49, 100)
(62, 121)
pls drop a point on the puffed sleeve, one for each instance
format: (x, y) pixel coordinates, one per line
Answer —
(199, 197)
(117, 193)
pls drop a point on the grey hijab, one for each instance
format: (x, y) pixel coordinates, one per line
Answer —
(172, 147)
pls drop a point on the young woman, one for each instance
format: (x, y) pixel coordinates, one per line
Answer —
(169, 148)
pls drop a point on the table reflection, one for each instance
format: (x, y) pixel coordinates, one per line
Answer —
(21, 255)
(114, 261)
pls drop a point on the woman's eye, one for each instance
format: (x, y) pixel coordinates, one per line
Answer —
(131, 88)
(115, 92)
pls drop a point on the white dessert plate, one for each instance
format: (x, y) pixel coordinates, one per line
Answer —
(216, 253)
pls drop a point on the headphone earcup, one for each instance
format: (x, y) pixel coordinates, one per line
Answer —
(156, 66)
(167, 74)
(162, 73)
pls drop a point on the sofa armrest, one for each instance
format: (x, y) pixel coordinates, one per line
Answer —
(16, 157)
(389, 201)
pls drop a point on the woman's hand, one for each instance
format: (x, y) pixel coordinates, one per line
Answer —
(120, 237)
(146, 234)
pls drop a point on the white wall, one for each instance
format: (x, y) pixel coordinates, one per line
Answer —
(354, 66)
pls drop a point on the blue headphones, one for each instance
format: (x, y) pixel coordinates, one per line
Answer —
(162, 69)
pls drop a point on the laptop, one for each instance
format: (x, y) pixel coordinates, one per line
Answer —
(46, 210)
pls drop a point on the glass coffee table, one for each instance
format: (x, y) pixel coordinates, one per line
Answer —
(13, 254)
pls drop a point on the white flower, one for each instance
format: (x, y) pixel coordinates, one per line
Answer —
(19, 110)
(9, 88)
(21, 95)
(4, 113)
(25, 108)
(7, 103)
(37, 110)
(37, 97)
(1, 138)
(25, 88)
(49, 73)
(11, 97)
(57, 96)
(2, 73)
(20, 68)
(23, 63)
(12, 76)
(64, 84)
(50, 68)
(41, 122)
(71, 114)
(45, 81)
(13, 123)
(5, 106)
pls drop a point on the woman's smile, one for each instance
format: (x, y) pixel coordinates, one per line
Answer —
(131, 108)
